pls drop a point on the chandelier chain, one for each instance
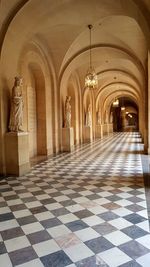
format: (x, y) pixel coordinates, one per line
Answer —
(90, 27)
(91, 80)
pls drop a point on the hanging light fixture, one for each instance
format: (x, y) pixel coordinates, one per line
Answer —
(116, 103)
(91, 80)
(123, 107)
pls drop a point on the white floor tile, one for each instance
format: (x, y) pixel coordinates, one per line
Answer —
(75, 208)
(53, 206)
(78, 252)
(4, 210)
(33, 204)
(93, 220)
(80, 199)
(61, 198)
(143, 213)
(44, 196)
(5, 260)
(68, 191)
(101, 201)
(117, 238)
(86, 193)
(14, 202)
(68, 218)
(105, 194)
(17, 243)
(114, 257)
(87, 234)
(144, 240)
(120, 223)
(24, 195)
(32, 228)
(97, 210)
(22, 213)
(44, 216)
(144, 260)
(123, 202)
(46, 247)
(59, 230)
(144, 225)
(143, 204)
(33, 263)
(122, 212)
(8, 225)
(124, 195)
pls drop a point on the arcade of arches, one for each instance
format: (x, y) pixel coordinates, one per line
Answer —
(70, 205)
(48, 45)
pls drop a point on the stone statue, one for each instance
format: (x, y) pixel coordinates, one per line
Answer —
(106, 117)
(89, 117)
(67, 123)
(16, 112)
(111, 117)
(99, 117)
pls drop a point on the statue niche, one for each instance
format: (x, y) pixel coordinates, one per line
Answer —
(16, 112)
(67, 120)
(99, 117)
(89, 117)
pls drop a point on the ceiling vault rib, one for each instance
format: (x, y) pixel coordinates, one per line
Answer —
(111, 46)
(8, 20)
(121, 71)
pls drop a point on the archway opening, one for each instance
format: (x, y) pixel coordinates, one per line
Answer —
(125, 115)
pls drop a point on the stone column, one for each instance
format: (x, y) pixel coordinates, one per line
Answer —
(17, 153)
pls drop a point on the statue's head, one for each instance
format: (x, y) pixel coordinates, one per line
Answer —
(18, 81)
(68, 98)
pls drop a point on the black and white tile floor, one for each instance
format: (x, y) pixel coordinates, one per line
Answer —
(86, 208)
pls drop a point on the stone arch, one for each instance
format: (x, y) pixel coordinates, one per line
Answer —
(124, 93)
(71, 86)
(35, 71)
(36, 111)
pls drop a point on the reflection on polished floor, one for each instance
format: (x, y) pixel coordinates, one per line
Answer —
(86, 208)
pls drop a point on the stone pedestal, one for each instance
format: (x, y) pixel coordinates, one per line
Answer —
(88, 136)
(17, 153)
(99, 131)
(110, 128)
(104, 129)
(67, 139)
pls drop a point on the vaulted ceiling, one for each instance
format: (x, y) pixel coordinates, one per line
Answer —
(120, 38)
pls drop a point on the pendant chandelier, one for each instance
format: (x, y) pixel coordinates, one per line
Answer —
(123, 107)
(116, 103)
(91, 80)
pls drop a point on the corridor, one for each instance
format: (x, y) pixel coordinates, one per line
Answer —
(85, 209)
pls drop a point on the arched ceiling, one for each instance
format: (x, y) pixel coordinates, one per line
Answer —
(119, 38)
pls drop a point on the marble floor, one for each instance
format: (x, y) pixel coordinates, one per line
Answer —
(85, 209)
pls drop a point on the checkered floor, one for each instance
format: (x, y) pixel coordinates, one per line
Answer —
(85, 209)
